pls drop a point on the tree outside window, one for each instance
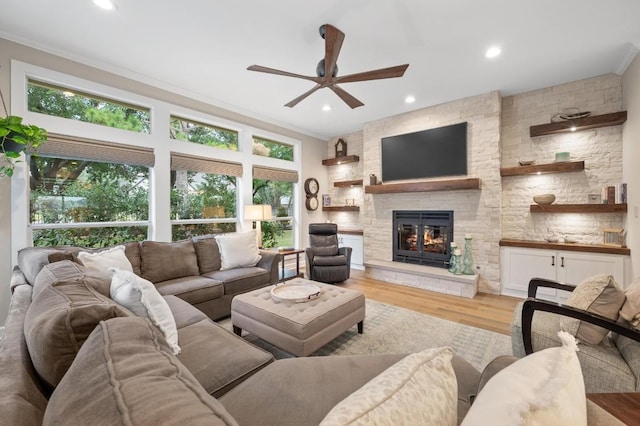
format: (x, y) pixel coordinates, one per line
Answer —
(279, 195)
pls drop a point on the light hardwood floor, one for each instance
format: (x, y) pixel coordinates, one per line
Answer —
(488, 311)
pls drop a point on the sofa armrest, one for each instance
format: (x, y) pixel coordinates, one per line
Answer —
(270, 261)
(17, 278)
(543, 282)
(532, 304)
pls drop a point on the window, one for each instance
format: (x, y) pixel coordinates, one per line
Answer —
(69, 103)
(203, 196)
(272, 149)
(275, 187)
(203, 134)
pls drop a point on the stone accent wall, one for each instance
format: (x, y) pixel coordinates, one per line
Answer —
(476, 212)
(601, 149)
(342, 172)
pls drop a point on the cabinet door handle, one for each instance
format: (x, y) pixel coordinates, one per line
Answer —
(553, 261)
(562, 261)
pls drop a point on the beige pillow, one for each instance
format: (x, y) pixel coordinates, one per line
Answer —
(238, 250)
(126, 374)
(420, 389)
(544, 388)
(630, 310)
(101, 261)
(599, 294)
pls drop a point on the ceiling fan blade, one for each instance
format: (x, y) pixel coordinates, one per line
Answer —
(260, 68)
(301, 97)
(346, 97)
(333, 39)
(391, 72)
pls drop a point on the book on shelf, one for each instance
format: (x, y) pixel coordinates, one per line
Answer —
(611, 195)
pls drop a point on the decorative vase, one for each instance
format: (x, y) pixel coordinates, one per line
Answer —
(457, 261)
(467, 261)
(452, 259)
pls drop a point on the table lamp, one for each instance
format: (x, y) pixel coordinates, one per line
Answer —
(258, 213)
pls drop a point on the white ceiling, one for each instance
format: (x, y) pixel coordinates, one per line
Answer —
(202, 48)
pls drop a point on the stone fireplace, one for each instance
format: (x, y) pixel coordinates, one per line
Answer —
(422, 237)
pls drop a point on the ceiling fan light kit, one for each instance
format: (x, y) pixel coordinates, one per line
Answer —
(327, 70)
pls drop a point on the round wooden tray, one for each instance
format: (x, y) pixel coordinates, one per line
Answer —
(295, 292)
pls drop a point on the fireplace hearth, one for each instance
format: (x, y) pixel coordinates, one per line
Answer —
(422, 237)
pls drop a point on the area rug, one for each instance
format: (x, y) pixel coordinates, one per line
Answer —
(391, 329)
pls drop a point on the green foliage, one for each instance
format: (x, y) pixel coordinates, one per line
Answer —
(272, 149)
(271, 233)
(185, 130)
(88, 237)
(16, 137)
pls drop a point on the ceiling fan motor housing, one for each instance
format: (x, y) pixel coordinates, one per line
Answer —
(320, 69)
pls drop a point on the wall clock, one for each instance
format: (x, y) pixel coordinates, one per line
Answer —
(311, 187)
(312, 203)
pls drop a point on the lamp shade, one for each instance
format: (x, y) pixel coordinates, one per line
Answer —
(257, 212)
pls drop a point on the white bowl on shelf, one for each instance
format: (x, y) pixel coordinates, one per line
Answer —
(544, 199)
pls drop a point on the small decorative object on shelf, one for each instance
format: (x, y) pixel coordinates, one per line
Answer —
(326, 200)
(467, 261)
(562, 157)
(372, 179)
(613, 237)
(341, 148)
(457, 255)
(452, 260)
(544, 199)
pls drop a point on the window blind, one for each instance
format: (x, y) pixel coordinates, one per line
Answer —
(268, 173)
(204, 165)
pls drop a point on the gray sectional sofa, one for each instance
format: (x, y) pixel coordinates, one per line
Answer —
(71, 355)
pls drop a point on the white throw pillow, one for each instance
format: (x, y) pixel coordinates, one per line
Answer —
(544, 388)
(420, 389)
(102, 261)
(141, 297)
(238, 249)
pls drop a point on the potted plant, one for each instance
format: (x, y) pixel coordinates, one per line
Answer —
(15, 138)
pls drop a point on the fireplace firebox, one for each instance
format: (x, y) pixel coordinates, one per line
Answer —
(422, 237)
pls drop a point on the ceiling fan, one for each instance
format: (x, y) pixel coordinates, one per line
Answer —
(327, 70)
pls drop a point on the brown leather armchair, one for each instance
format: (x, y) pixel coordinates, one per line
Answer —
(326, 262)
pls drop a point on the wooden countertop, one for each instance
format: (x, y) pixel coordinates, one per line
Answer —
(587, 248)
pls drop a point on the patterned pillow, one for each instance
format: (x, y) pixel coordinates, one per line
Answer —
(544, 388)
(420, 389)
(599, 294)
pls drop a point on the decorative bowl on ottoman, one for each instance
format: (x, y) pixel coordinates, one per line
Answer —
(544, 199)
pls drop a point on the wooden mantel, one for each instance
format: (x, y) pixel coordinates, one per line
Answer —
(424, 186)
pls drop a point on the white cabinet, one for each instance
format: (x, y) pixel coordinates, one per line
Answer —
(519, 265)
(357, 245)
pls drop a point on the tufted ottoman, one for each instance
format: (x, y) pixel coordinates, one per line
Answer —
(298, 328)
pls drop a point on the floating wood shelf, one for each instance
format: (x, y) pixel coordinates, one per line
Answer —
(592, 122)
(341, 160)
(535, 169)
(424, 186)
(578, 208)
(340, 208)
(347, 183)
(588, 248)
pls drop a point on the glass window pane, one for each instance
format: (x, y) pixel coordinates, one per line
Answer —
(203, 134)
(182, 232)
(67, 103)
(88, 237)
(272, 149)
(279, 195)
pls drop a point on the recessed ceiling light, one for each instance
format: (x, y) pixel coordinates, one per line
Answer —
(410, 99)
(105, 4)
(326, 108)
(492, 52)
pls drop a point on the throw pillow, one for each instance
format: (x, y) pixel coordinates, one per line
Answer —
(125, 374)
(420, 389)
(101, 261)
(163, 261)
(599, 294)
(238, 250)
(141, 297)
(630, 310)
(544, 388)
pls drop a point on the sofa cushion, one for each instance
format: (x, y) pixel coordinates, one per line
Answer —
(126, 374)
(167, 261)
(207, 252)
(238, 249)
(141, 297)
(544, 388)
(218, 358)
(101, 261)
(599, 294)
(195, 289)
(420, 389)
(630, 310)
(183, 313)
(31, 260)
(68, 270)
(61, 317)
(240, 280)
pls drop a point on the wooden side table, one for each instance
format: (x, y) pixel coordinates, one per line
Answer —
(623, 406)
(287, 274)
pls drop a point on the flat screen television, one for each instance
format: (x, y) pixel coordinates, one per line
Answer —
(426, 154)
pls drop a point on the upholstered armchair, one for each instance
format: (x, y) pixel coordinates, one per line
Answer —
(613, 365)
(326, 262)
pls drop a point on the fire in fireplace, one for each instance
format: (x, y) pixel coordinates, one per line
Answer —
(422, 237)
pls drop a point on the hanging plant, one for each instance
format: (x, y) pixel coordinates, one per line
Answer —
(15, 138)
